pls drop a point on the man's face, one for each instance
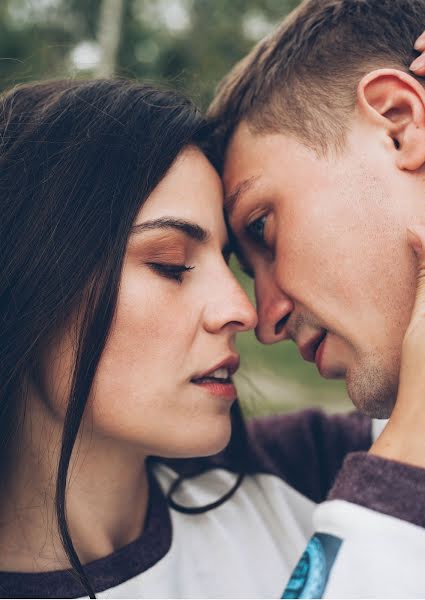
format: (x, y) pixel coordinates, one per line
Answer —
(325, 239)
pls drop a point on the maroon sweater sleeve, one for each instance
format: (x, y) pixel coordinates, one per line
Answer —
(307, 448)
(325, 457)
(387, 486)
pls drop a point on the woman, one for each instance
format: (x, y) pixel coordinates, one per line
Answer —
(78, 161)
(118, 322)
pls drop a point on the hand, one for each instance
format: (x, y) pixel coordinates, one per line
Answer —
(412, 366)
(403, 438)
(418, 65)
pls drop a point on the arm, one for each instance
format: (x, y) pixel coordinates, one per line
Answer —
(306, 449)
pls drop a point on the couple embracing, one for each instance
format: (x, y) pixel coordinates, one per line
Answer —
(127, 469)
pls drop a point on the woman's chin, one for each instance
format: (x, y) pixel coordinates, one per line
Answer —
(205, 440)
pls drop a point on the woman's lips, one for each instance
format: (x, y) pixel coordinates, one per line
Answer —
(217, 388)
(231, 363)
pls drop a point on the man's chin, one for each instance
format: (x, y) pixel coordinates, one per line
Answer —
(372, 409)
(372, 396)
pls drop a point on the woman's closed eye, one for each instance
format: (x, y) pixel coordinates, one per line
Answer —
(170, 271)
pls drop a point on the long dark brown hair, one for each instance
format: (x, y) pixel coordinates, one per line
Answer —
(77, 161)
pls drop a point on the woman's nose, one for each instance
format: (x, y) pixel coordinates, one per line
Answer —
(230, 307)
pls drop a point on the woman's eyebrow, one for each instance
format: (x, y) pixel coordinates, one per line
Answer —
(192, 230)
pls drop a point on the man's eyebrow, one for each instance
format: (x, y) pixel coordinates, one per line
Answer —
(192, 230)
(231, 200)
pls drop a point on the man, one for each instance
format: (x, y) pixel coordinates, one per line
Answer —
(323, 131)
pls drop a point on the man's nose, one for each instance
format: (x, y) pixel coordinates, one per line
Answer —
(274, 308)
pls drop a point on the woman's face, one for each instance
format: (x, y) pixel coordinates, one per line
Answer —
(179, 309)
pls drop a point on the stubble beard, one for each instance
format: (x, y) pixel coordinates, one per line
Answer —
(373, 387)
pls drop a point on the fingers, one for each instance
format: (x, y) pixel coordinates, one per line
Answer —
(411, 392)
(418, 65)
(403, 438)
(420, 42)
(416, 240)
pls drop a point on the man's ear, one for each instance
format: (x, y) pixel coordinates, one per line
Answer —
(396, 101)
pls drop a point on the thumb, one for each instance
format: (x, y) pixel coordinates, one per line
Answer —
(418, 65)
(416, 240)
(412, 383)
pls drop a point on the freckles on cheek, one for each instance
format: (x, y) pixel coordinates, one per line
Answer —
(149, 315)
(138, 319)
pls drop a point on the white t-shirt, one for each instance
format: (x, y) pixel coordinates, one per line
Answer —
(368, 538)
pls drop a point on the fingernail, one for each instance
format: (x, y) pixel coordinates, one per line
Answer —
(414, 238)
(418, 63)
(420, 42)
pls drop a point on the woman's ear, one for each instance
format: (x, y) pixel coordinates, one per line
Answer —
(395, 101)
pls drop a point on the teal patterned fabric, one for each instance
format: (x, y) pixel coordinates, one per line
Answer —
(311, 574)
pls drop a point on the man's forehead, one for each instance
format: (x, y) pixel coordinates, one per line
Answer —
(238, 159)
(246, 167)
(234, 195)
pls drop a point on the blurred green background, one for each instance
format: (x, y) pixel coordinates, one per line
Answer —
(187, 44)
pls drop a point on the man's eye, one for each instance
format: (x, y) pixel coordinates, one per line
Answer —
(174, 272)
(255, 230)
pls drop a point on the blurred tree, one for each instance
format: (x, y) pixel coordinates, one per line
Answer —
(33, 40)
(109, 36)
(188, 43)
(193, 43)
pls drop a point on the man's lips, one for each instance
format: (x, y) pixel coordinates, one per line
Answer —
(309, 348)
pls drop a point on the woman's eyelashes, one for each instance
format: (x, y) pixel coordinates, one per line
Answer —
(171, 271)
(167, 254)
